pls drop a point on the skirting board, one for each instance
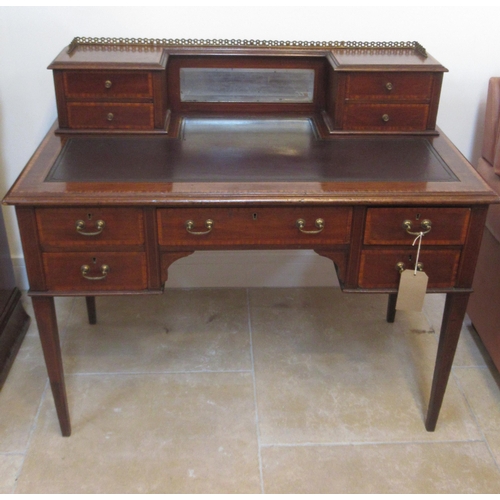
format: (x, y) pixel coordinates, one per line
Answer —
(239, 269)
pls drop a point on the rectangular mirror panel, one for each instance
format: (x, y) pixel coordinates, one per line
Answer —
(247, 85)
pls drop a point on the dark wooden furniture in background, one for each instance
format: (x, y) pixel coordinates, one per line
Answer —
(164, 148)
(483, 308)
(14, 321)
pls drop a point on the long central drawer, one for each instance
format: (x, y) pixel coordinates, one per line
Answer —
(301, 226)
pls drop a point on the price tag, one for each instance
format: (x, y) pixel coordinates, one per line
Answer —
(413, 285)
(412, 288)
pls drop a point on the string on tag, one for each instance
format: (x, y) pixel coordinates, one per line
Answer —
(419, 237)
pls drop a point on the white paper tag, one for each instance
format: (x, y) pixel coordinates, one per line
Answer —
(412, 288)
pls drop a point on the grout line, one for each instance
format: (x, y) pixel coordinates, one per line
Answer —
(30, 435)
(257, 423)
(474, 416)
(470, 367)
(179, 372)
(366, 443)
(464, 395)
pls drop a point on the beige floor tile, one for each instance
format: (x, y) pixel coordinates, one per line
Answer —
(338, 303)
(180, 330)
(470, 350)
(20, 396)
(174, 433)
(9, 469)
(287, 298)
(482, 391)
(342, 389)
(64, 309)
(391, 468)
(433, 309)
(343, 374)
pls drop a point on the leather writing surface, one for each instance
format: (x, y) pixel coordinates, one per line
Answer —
(249, 150)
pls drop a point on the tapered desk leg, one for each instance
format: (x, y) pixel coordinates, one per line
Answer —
(453, 317)
(91, 310)
(46, 319)
(391, 307)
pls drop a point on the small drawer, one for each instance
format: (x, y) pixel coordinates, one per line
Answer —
(92, 115)
(108, 85)
(386, 226)
(96, 271)
(389, 85)
(247, 227)
(379, 267)
(96, 228)
(390, 117)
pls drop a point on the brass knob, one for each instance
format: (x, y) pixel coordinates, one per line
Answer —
(110, 117)
(108, 84)
(385, 118)
(389, 86)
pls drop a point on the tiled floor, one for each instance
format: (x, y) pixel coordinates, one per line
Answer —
(258, 390)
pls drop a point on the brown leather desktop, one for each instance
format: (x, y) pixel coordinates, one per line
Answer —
(136, 175)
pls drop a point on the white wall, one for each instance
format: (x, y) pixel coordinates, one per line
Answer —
(464, 39)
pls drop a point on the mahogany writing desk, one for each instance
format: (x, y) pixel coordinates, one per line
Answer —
(164, 148)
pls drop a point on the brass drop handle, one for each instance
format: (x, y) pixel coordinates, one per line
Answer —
(108, 84)
(389, 86)
(385, 118)
(319, 223)
(189, 225)
(426, 225)
(110, 117)
(401, 267)
(104, 272)
(80, 226)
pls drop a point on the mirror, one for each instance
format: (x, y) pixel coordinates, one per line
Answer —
(246, 85)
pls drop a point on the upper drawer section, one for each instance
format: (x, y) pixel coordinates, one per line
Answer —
(108, 85)
(388, 226)
(389, 85)
(90, 228)
(245, 227)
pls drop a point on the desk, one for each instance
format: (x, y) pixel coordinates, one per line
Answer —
(107, 211)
